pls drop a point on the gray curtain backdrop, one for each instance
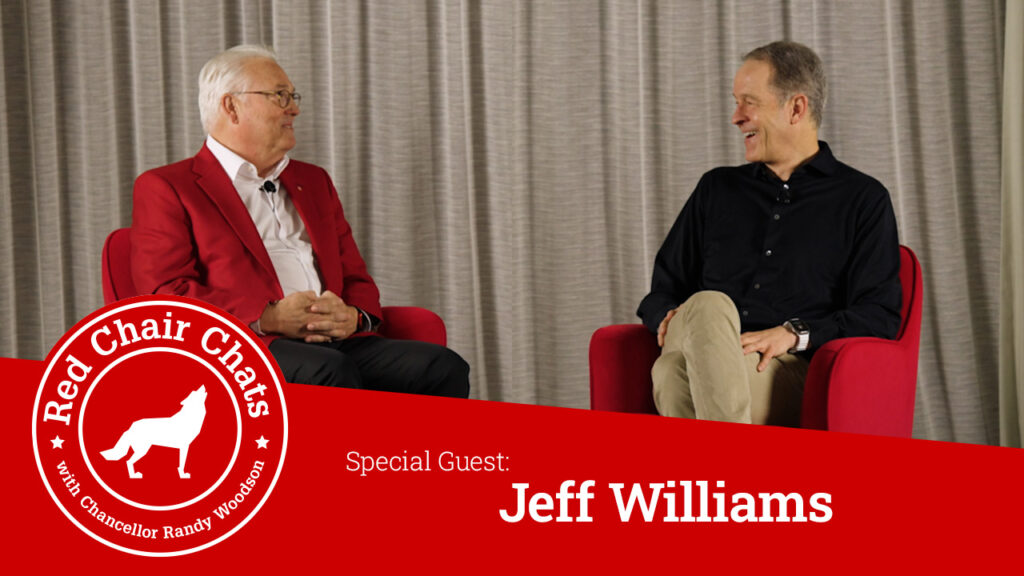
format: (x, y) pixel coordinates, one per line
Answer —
(513, 166)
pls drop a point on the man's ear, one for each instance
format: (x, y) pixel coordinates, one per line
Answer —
(800, 109)
(229, 105)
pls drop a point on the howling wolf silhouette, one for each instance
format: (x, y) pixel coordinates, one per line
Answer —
(177, 431)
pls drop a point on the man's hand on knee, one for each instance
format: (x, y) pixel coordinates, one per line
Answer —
(289, 315)
(769, 343)
(332, 319)
(663, 327)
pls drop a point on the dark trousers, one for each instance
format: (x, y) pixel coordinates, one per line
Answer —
(374, 363)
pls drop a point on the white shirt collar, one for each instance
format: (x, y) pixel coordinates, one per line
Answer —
(236, 166)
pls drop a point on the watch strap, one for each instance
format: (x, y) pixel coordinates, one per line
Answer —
(803, 335)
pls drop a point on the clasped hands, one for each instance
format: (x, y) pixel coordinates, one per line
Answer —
(769, 343)
(310, 317)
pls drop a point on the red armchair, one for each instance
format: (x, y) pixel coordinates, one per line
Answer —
(400, 322)
(863, 385)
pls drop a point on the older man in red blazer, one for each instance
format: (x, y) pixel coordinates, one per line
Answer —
(246, 228)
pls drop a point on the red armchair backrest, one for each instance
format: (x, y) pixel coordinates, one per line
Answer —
(117, 266)
(868, 386)
(910, 311)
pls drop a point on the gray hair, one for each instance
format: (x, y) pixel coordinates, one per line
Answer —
(795, 69)
(225, 73)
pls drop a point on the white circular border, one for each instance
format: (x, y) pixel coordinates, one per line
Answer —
(115, 493)
(248, 339)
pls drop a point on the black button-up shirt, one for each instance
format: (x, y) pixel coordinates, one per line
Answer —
(821, 247)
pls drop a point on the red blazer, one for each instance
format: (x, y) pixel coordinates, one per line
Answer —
(192, 236)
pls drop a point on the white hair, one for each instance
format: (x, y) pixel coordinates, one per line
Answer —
(225, 73)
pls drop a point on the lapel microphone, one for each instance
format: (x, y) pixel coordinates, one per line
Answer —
(268, 186)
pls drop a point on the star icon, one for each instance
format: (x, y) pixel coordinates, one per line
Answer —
(261, 442)
(58, 442)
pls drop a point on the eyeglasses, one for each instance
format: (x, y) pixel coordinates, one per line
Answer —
(284, 97)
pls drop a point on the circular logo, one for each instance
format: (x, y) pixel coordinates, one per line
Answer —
(160, 425)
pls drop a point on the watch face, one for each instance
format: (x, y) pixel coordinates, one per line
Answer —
(799, 325)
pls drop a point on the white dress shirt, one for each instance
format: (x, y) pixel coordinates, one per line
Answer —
(280, 227)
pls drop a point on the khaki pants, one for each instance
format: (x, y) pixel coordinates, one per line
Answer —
(702, 372)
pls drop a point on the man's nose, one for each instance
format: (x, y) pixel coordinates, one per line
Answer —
(737, 116)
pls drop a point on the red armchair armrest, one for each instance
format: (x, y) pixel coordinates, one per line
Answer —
(411, 323)
(863, 385)
(621, 357)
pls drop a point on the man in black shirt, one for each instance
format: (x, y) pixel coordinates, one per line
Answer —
(770, 260)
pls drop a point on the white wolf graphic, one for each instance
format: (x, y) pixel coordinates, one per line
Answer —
(177, 431)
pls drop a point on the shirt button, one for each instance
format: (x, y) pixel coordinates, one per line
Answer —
(776, 216)
(745, 313)
(757, 286)
(767, 252)
(785, 186)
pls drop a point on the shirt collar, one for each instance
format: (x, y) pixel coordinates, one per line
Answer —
(236, 166)
(823, 163)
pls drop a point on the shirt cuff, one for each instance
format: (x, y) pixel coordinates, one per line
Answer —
(255, 326)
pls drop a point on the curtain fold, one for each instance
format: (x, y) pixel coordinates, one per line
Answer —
(514, 166)
(1011, 344)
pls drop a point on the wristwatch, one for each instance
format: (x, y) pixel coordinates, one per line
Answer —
(803, 333)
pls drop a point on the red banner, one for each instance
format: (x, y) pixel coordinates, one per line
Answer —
(388, 482)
